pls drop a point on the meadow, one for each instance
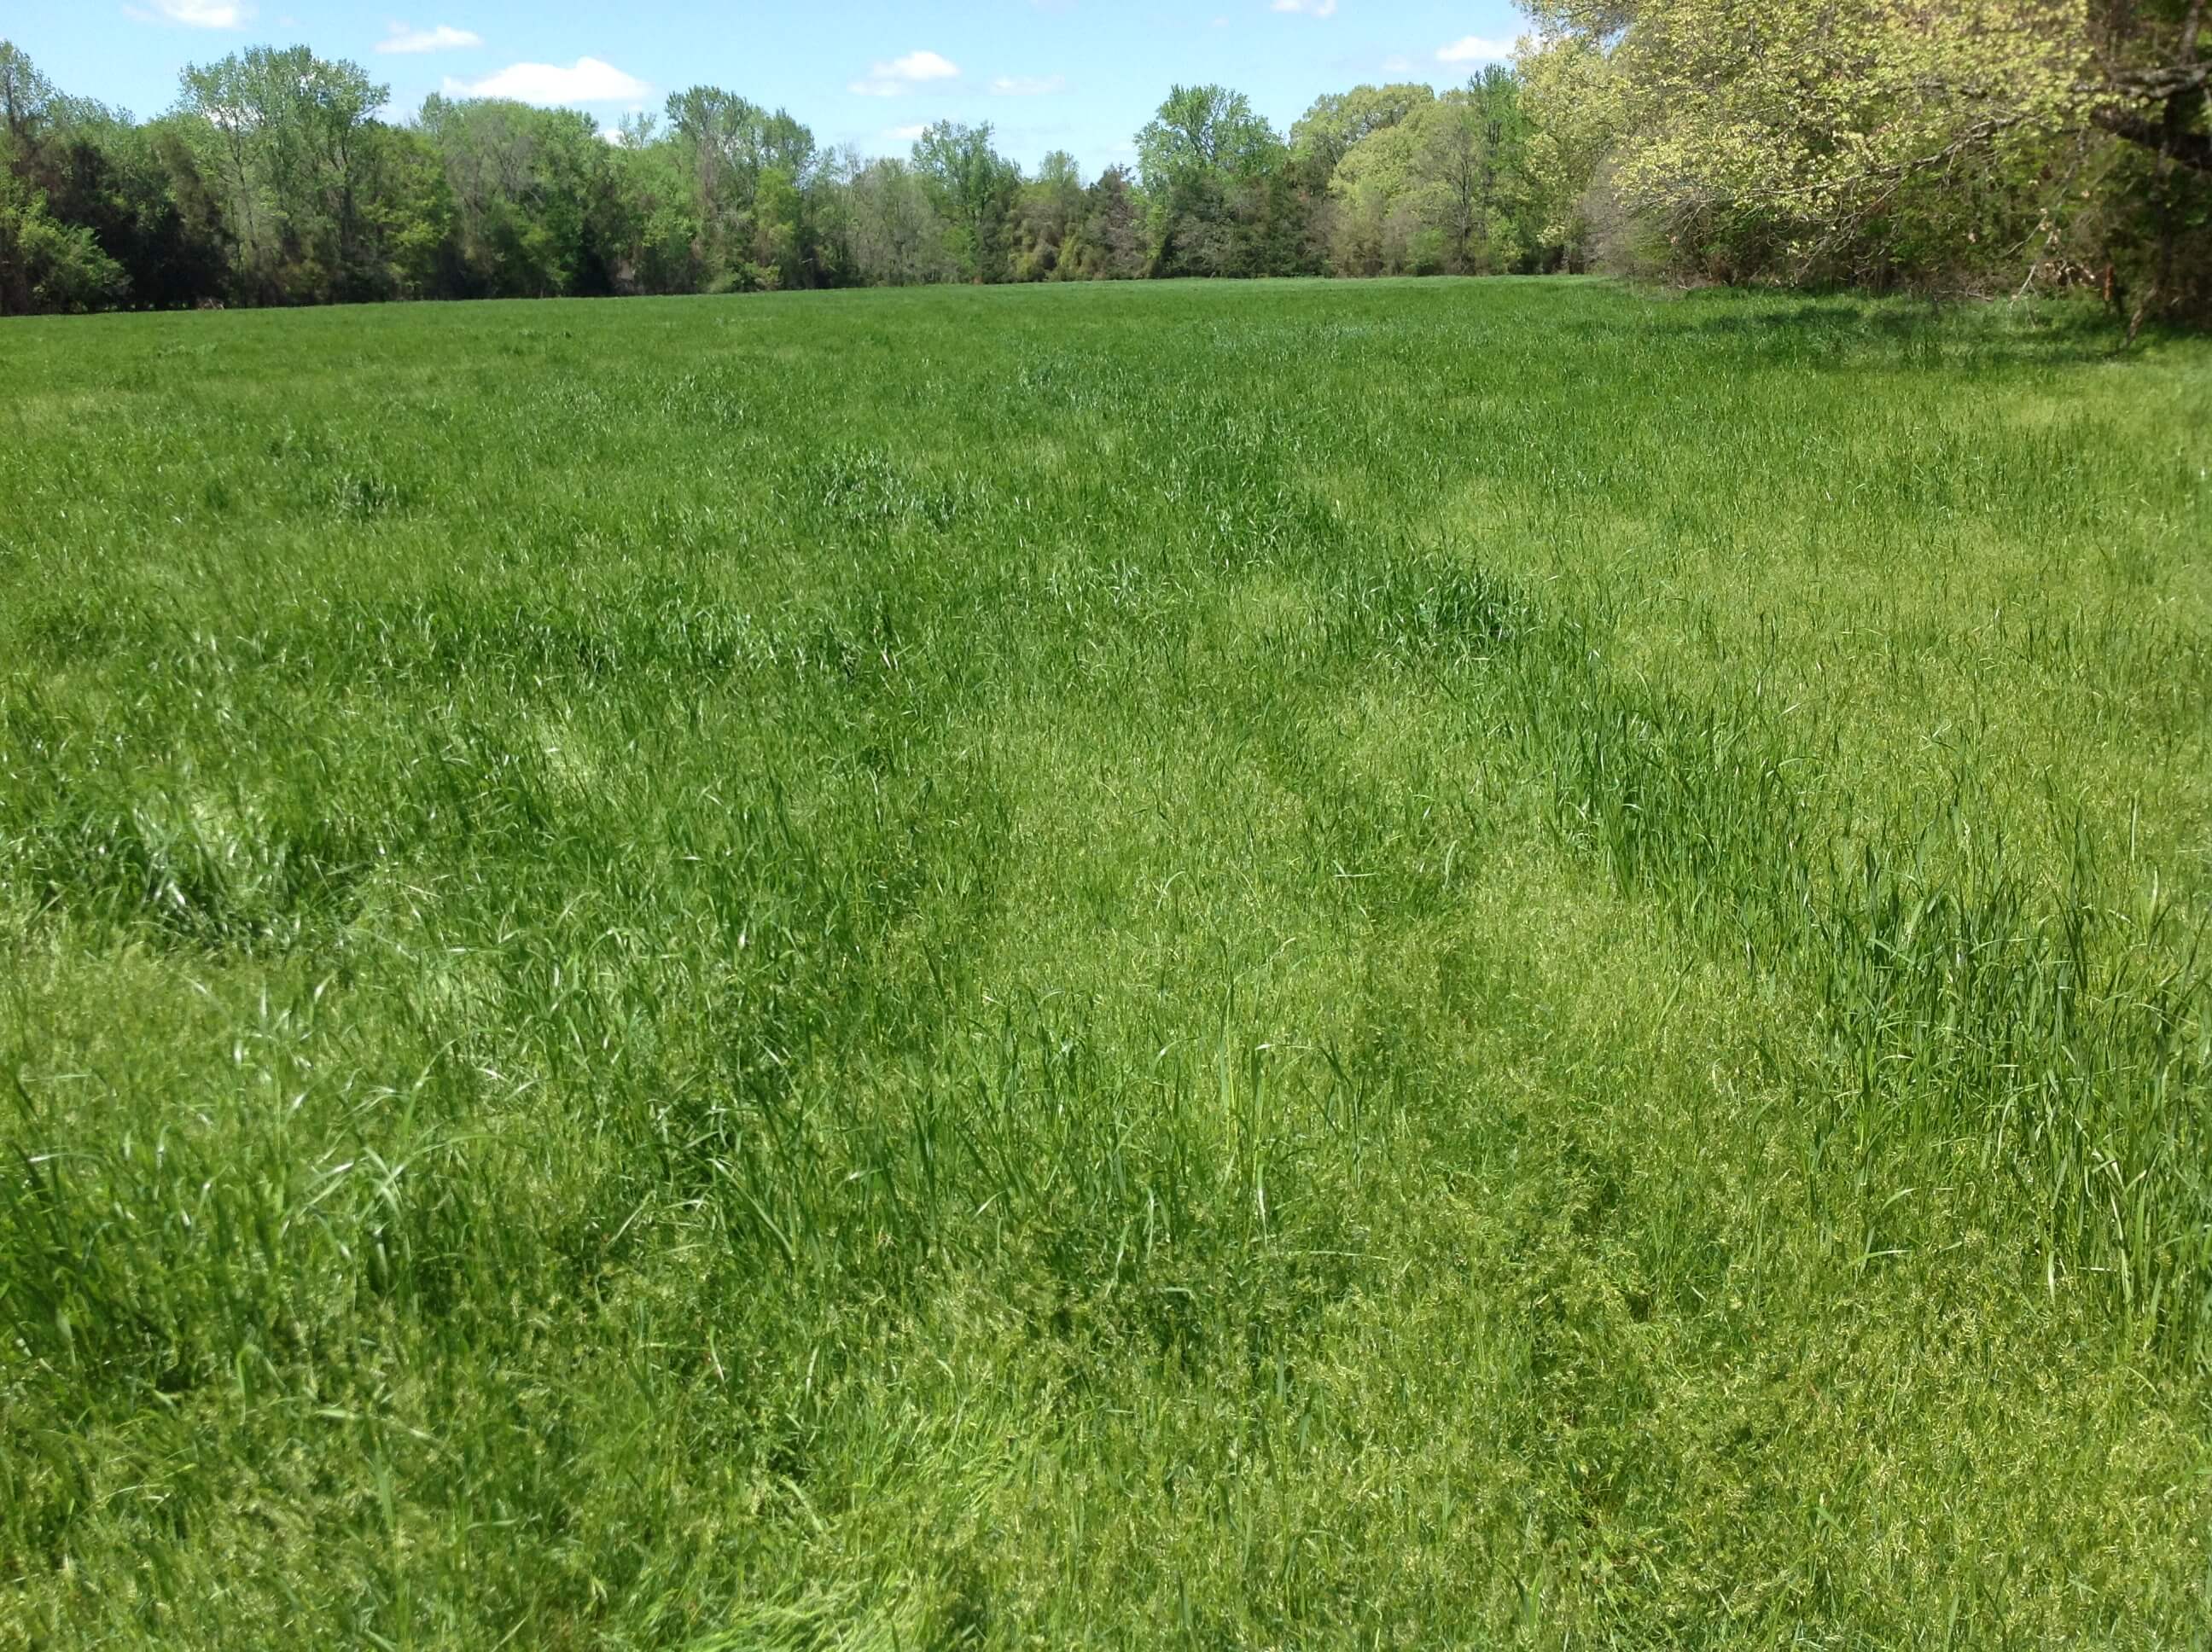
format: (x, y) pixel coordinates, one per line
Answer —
(1492, 965)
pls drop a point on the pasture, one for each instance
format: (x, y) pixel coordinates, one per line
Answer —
(1264, 965)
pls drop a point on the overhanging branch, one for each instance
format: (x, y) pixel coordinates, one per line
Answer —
(2190, 149)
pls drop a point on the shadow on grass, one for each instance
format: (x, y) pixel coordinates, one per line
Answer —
(1845, 331)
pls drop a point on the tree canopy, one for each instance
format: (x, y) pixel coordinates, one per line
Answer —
(1976, 146)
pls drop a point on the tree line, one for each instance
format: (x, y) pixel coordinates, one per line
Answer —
(1886, 144)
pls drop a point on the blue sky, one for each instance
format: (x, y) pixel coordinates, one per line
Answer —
(1079, 74)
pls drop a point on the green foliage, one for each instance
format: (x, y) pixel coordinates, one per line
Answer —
(1048, 214)
(745, 168)
(1206, 161)
(46, 264)
(1340, 121)
(536, 210)
(1448, 186)
(27, 99)
(1992, 145)
(1287, 965)
(289, 140)
(1889, 143)
(892, 234)
(973, 189)
(1110, 242)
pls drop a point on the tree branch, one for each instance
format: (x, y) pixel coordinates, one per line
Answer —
(2190, 149)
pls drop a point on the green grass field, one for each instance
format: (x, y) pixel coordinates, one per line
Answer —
(1490, 964)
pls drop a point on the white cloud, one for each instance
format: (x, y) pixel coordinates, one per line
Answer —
(589, 81)
(1397, 63)
(1027, 86)
(444, 38)
(1309, 7)
(195, 14)
(906, 134)
(1473, 48)
(888, 80)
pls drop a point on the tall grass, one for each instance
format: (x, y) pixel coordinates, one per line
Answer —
(1445, 963)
